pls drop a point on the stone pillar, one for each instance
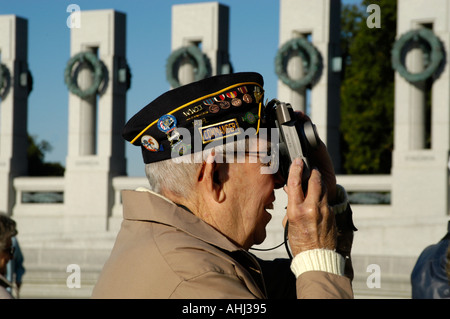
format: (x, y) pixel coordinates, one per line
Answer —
(96, 150)
(296, 70)
(88, 112)
(320, 21)
(205, 25)
(13, 106)
(420, 175)
(415, 64)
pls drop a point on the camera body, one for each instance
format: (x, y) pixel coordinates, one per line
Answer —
(296, 137)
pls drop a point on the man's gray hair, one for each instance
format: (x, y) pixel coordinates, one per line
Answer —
(172, 176)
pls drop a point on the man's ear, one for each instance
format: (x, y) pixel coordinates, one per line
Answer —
(209, 179)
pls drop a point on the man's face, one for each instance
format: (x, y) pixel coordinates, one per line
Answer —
(251, 195)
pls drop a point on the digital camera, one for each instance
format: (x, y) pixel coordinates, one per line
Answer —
(296, 137)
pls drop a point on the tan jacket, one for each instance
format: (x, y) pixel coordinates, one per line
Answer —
(164, 251)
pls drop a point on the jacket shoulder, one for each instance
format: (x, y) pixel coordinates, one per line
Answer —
(187, 256)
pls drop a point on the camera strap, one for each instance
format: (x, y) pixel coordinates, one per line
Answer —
(285, 243)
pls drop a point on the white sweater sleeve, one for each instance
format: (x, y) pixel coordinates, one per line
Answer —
(318, 260)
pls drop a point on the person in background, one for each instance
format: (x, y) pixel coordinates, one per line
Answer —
(430, 278)
(15, 269)
(7, 231)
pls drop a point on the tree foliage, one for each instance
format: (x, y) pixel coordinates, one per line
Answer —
(367, 91)
(36, 165)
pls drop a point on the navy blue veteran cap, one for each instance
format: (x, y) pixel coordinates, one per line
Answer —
(210, 109)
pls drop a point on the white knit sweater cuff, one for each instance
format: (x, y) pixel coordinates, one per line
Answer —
(318, 260)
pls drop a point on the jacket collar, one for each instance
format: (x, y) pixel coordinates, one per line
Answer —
(146, 205)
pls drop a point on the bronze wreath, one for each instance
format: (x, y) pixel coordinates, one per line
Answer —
(200, 61)
(71, 81)
(308, 52)
(422, 36)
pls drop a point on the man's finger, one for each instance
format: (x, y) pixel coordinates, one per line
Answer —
(294, 183)
(315, 190)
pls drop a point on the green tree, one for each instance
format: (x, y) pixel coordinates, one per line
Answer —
(367, 91)
(36, 165)
(351, 17)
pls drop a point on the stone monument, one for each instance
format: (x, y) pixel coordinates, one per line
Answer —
(14, 90)
(199, 45)
(420, 190)
(97, 77)
(309, 58)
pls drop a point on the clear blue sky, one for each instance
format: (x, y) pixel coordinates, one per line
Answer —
(254, 26)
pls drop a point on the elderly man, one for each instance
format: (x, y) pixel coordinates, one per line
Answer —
(189, 236)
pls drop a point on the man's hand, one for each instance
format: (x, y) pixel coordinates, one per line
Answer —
(311, 222)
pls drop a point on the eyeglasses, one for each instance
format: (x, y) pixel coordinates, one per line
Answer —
(267, 158)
